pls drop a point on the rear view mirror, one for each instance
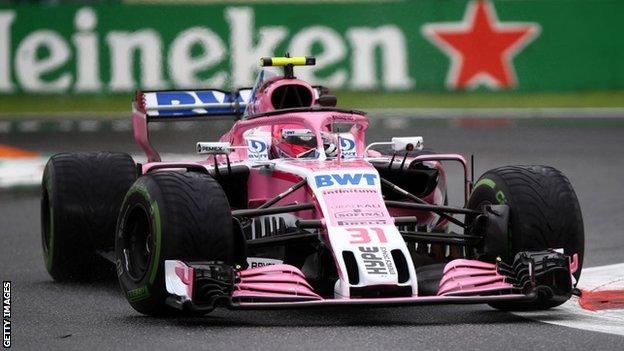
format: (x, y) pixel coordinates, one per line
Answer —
(407, 143)
(214, 148)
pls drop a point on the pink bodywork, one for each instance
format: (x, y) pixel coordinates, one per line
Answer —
(471, 277)
(273, 283)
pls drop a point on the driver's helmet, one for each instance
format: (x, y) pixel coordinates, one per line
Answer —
(292, 141)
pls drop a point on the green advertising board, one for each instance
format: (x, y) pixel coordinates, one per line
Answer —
(425, 45)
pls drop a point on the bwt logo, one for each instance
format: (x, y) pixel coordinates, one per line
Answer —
(347, 144)
(256, 145)
(344, 179)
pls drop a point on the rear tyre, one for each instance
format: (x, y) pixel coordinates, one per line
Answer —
(544, 213)
(81, 195)
(166, 216)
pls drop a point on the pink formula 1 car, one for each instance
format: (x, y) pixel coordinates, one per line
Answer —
(291, 208)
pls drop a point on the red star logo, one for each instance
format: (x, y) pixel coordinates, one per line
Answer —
(480, 47)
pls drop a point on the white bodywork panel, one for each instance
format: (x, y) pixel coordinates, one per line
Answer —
(357, 221)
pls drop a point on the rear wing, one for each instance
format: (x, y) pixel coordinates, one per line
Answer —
(163, 105)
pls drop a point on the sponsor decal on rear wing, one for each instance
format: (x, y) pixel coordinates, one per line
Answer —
(165, 104)
(192, 103)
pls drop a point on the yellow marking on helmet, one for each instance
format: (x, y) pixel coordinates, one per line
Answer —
(283, 61)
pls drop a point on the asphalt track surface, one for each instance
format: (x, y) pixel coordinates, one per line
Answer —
(49, 315)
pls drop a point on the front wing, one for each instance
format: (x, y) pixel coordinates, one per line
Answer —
(202, 286)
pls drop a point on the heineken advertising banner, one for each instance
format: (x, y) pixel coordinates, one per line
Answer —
(424, 45)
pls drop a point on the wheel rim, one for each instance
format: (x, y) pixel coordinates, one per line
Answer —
(136, 241)
(478, 207)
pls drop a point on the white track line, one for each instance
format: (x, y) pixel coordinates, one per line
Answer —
(22, 172)
(571, 315)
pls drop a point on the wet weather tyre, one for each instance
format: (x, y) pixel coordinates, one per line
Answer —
(169, 215)
(544, 213)
(81, 195)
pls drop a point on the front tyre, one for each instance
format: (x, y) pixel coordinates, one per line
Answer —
(544, 214)
(169, 216)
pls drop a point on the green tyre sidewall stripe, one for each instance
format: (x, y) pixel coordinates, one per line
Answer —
(501, 198)
(485, 182)
(142, 289)
(155, 214)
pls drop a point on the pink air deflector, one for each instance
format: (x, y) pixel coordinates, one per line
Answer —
(274, 283)
(462, 277)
